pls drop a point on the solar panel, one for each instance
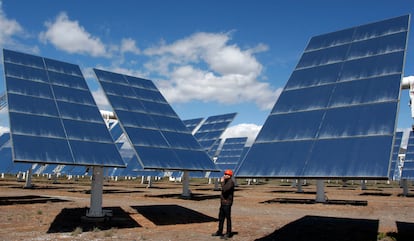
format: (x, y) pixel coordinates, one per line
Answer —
(230, 154)
(408, 166)
(192, 124)
(116, 131)
(158, 136)
(211, 129)
(395, 162)
(53, 116)
(336, 115)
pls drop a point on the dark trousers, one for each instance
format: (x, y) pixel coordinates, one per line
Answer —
(225, 213)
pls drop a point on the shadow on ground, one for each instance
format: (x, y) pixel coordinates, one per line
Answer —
(70, 219)
(405, 231)
(172, 214)
(194, 196)
(28, 199)
(313, 201)
(316, 228)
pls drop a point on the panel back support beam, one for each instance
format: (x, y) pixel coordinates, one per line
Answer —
(95, 210)
(186, 185)
(408, 83)
(320, 191)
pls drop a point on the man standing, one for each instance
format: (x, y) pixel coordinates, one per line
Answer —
(226, 201)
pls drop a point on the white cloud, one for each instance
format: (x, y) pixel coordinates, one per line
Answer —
(243, 130)
(9, 28)
(69, 36)
(206, 67)
(129, 45)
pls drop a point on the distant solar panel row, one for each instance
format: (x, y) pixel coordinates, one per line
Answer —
(336, 115)
(53, 116)
(408, 167)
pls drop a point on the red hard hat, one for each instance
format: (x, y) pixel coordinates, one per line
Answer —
(228, 172)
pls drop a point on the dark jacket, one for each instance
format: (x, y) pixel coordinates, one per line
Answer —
(227, 192)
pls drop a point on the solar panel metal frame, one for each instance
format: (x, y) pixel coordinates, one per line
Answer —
(312, 131)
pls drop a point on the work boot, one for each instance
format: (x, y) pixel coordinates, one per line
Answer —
(217, 234)
(226, 236)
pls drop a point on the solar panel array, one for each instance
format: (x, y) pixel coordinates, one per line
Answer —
(158, 136)
(395, 162)
(53, 116)
(408, 167)
(212, 128)
(336, 116)
(230, 154)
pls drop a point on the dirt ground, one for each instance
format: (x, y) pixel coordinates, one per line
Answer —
(266, 210)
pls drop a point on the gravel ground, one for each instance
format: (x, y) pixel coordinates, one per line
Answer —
(267, 210)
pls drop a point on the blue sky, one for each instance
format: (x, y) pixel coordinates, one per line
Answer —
(206, 57)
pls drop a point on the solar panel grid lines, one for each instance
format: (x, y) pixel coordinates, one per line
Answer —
(337, 108)
(408, 166)
(158, 136)
(53, 116)
(395, 162)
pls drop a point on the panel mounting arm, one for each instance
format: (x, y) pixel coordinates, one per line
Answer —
(408, 83)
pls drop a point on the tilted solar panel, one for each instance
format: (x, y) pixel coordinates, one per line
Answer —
(192, 124)
(336, 116)
(212, 128)
(158, 136)
(230, 154)
(53, 116)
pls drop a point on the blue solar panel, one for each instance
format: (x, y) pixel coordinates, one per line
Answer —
(53, 116)
(230, 154)
(395, 162)
(212, 128)
(158, 136)
(214, 151)
(116, 131)
(408, 166)
(192, 124)
(336, 115)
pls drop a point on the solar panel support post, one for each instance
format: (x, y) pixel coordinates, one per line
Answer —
(363, 185)
(186, 184)
(149, 179)
(408, 83)
(299, 186)
(28, 183)
(95, 210)
(404, 183)
(320, 191)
